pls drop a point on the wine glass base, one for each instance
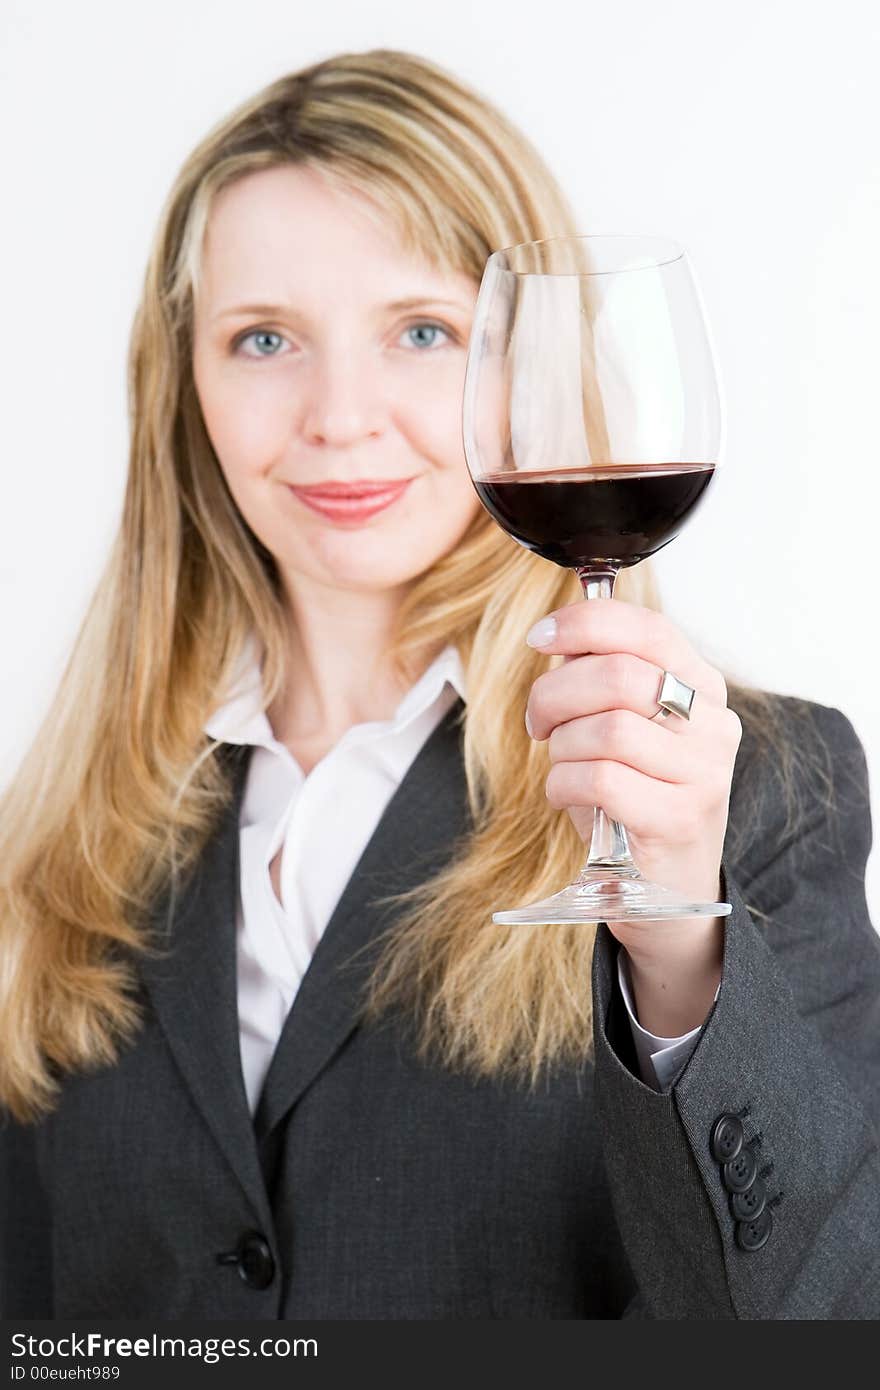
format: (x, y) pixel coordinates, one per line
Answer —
(603, 894)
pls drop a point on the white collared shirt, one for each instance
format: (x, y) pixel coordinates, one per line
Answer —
(282, 806)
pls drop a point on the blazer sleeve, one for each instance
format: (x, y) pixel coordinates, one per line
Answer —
(790, 1052)
(25, 1227)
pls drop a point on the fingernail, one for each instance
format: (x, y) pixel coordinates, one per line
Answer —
(543, 633)
(529, 730)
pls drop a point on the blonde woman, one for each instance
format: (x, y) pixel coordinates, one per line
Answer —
(262, 1052)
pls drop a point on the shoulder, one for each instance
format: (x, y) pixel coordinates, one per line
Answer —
(789, 722)
(800, 777)
(788, 735)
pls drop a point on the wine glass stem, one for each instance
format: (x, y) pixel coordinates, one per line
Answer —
(609, 847)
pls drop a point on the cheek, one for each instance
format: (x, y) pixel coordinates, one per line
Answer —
(443, 505)
(246, 430)
(427, 415)
(432, 428)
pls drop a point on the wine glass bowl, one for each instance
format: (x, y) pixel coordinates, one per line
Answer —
(592, 431)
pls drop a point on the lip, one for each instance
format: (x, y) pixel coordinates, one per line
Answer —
(358, 487)
(352, 503)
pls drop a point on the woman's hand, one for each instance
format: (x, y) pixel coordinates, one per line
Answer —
(667, 781)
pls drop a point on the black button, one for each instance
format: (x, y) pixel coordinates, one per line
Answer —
(751, 1235)
(745, 1206)
(740, 1172)
(727, 1138)
(253, 1259)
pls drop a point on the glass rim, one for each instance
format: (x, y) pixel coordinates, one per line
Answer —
(671, 246)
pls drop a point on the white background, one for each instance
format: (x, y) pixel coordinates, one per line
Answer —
(748, 131)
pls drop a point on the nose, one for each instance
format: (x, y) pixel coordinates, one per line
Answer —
(344, 400)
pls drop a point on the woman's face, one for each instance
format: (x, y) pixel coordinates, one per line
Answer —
(330, 379)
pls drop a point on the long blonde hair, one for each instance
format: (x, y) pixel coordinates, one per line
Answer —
(121, 787)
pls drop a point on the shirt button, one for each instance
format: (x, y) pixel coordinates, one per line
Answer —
(727, 1138)
(739, 1173)
(253, 1259)
(751, 1235)
(745, 1206)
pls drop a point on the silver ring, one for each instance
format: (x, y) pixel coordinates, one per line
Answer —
(674, 697)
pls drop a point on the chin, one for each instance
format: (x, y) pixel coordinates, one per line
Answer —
(395, 550)
(369, 576)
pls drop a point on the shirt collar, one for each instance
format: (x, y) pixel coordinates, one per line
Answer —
(241, 718)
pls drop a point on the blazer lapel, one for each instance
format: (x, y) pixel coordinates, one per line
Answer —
(413, 839)
(194, 991)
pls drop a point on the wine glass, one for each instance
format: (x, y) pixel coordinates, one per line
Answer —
(592, 426)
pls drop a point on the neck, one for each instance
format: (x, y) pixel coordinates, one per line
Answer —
(339, 675)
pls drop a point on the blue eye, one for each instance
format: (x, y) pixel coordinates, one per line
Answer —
(261, 335)
(431, 327)
(267, 343)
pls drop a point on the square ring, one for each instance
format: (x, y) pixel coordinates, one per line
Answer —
(675, 696)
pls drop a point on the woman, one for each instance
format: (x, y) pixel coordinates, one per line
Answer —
(263, 1053)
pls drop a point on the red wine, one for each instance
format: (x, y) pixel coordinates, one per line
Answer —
(621, 513)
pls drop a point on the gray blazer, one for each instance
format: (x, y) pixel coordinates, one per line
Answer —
(372, 1186)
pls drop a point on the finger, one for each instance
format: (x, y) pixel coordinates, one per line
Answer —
(586, 685)
(600, 626)
(640, 803)
(621, 736)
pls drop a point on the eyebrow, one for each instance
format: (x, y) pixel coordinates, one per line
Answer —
(277, 310)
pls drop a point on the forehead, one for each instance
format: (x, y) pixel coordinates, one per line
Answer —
(289, 229)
